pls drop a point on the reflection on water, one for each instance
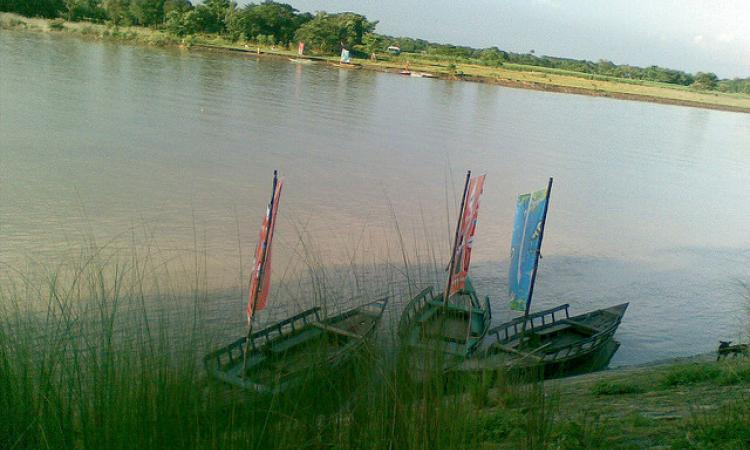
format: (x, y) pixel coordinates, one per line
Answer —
(174, 150)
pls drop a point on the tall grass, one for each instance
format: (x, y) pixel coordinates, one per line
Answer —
(105, 353)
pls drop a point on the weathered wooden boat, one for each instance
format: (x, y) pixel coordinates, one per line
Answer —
(440, 331)
(433, 332)
(544, 341)
(552, 343)
(287, 353)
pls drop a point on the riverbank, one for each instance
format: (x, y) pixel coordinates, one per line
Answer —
(508, 75)
(683, 403)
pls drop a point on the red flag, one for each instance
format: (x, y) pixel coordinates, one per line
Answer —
(465, 237)
(260, 279)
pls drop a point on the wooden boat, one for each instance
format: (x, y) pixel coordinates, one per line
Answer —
(435, 333)
(552, 343)
(286, 353)
(544, 341)
(440, 331)
(348, 66)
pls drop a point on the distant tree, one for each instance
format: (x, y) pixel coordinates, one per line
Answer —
(183, 22)
(118, 11)
(83, 9)
(32, 8)
(736, 85)
(492, 56)
(147, 12)
(269, 18)
(705, 81)
(373, 43)
(328, 32)
(211, 16)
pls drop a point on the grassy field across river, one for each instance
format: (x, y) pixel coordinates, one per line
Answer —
(511, 75)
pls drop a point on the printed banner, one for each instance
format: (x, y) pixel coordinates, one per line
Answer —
(465, 238)
(345, 56)
(525, 246)
(260, 279)
(301, 48)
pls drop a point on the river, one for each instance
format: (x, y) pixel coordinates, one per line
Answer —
(174, 150)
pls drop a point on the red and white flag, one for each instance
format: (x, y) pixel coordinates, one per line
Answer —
(260, 279)
(465, 237)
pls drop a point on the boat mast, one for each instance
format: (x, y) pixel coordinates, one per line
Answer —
(261, 267)
(452, 263)
(538, 253)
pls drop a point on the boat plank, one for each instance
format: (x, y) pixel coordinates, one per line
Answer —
(335, 330)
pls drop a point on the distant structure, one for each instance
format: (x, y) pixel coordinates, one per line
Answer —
(394, 50)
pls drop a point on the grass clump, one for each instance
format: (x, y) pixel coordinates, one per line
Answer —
(8, 22)
(607, 387)
(590, 432)
(726, 428)
(691, 374)
(498, 426)
(732, 374)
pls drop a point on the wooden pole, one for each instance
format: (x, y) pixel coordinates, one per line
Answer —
(538, 252)
(254, 297)
(452, 263)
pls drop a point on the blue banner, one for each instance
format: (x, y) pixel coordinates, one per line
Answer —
(525, 246)
(345, 56)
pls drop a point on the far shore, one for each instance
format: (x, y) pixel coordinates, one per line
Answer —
(509, 75)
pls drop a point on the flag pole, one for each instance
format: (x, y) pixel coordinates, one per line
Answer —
(452, 263)
(261, 265)
(538, 253)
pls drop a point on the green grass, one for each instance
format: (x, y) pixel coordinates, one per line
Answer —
(105, 353)
(616, 388)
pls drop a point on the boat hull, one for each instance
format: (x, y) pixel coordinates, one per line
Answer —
(548, 344)
(288, 353)
(436, 337)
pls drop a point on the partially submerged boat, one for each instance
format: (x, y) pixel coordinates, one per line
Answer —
(550, 342)
(554, 344)
(439, 331)
(287, 353)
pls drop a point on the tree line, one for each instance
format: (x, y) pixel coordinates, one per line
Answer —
(272, 23)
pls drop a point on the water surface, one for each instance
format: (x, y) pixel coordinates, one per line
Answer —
(175, 149)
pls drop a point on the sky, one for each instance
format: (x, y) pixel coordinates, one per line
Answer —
(690, 35)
